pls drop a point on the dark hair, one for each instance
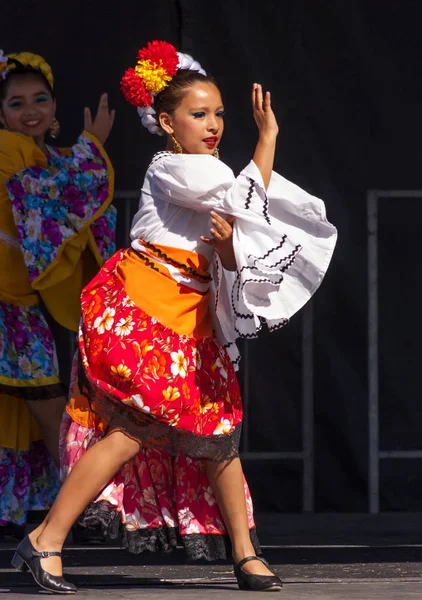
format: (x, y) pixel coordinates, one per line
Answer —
(18, 71)
(171, 97)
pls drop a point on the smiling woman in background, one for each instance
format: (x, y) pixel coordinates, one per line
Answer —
(56, 229)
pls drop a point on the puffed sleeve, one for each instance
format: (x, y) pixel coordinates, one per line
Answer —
(17, 152)
(196, 181)
(283, 245)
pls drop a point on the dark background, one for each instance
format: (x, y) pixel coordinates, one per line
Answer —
(346, 81)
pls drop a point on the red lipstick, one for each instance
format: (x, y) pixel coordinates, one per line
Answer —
(211, 141)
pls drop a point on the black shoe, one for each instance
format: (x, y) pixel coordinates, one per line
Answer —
(256, 583)
(26, 558)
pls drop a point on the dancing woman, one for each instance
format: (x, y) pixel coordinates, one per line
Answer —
(151, 444)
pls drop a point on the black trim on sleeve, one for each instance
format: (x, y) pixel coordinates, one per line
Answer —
(250, 192)
(248, 200)
(238, 286)
(265, 210)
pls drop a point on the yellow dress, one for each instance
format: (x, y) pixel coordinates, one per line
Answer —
(56, 229)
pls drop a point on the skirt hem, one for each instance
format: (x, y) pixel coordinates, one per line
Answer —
(210, 547)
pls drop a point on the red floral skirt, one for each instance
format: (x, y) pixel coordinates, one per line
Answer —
(178, 395)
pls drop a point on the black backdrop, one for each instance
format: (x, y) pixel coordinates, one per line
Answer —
(347, 88)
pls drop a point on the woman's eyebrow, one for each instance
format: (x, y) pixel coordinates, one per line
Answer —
(20, 97)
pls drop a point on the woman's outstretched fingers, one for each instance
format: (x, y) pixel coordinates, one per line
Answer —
(263, 112)
(87, 118)
(255, 96)
(103, 103)
(103, 121)
(260, 98)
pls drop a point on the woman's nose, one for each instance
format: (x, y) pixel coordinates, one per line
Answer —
(213, 125)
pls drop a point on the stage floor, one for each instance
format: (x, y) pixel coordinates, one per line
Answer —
(328, 557)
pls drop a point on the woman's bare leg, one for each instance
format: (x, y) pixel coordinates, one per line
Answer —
(226, 480)
(49, 415)
(89, 476)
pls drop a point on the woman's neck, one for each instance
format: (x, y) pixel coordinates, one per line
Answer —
(40, 142)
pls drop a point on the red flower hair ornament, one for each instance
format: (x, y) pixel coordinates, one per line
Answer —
(157, 64)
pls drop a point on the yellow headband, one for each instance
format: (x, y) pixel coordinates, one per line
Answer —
(27, 59)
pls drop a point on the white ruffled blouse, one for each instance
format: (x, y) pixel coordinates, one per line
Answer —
(282, 240)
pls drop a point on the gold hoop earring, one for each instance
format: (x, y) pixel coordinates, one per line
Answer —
(177, 148)
(54, 130)
(216, 153)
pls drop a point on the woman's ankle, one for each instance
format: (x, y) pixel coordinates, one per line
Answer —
(242, 551)
(45, 541)
(35, 533)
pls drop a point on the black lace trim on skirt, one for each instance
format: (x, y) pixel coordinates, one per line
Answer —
(33, 393)
(151, 432)
(102, 516)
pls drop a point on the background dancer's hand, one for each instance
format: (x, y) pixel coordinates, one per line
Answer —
(103, 121)
(268, 131)
(222, 240)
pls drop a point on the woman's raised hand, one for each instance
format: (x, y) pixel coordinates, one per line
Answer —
(263, 113)
(103, 121)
